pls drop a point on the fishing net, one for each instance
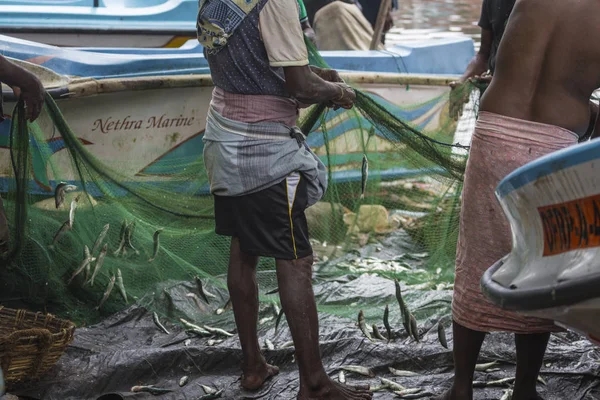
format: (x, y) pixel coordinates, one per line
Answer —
(161, 224)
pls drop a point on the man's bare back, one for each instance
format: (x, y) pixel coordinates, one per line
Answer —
(548, 63)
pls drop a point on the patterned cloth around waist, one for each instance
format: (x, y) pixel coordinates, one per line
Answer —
(242, 158)
(500, 145)
(255, 108)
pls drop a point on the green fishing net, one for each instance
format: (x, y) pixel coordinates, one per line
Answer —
(161, 231)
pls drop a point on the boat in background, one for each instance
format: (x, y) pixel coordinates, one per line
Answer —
(108, 23)
(553, 271)
(145, 110)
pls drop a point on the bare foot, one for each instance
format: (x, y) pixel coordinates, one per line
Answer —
(331, 390)
(453, 394)
(254, 377)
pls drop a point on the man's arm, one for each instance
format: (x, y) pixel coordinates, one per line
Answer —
(24, 84)
(479, 63)
(309, 88)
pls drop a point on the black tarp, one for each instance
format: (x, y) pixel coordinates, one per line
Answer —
(127, 349)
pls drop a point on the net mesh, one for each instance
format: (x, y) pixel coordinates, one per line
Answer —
(46, 250)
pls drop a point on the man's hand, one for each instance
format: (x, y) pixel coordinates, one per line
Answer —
(347, 97)
(311, 35)
(32, 92)
(329, 75)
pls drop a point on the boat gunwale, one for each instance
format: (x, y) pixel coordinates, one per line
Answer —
(84, 87)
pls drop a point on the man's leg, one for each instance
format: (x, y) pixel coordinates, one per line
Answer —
(298, 302)
(241, 281)
(530, 355)
(467, 344)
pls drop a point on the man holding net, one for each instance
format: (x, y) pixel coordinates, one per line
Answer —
(537, 103)
(29, 88)
(262, 173)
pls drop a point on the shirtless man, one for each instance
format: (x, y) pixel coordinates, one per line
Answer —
(538, 102)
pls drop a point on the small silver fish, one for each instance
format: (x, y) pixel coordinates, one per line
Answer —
(281, 313)
(507, 395)
(493, 370)
(63, 229)
(213, 396)
(287, 345)
(376, 333)
(419, 395)
(124, 227)
(499, 382)
(202, 292)
(542, 380)
(158, 324)
(486, 366)
(217, 331)
(265, 320)
(187, 342)
(100, 238)
(403, 308)
(208, 389)
(194, 328)
(121, 286)
(196, 299)
(414, 330)
(86, 262)
(60, 191)
(392, 385)
(406, 392)
(342, 377)
(398, 372)
(109, 289)
(269, 345)
(276, 310)
(442, 335)
(213, 342)
(129, 236)
(226, 307)
(99, 263)
(386, 322)
(183, 381)
(72, 211)
(357, 369)
(156, 239)
(364, 176)
(363, 325)
(274, 291)
(150, 389)
(377, 388)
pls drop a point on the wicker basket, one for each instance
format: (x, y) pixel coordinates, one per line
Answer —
(30, 344)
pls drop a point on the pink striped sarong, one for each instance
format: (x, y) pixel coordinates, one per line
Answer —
(500, 145)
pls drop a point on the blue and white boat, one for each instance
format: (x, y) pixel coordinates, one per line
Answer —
(553, 271)
(142, 108)
(107, 23)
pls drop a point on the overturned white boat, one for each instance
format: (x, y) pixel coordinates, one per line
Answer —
(553, 271)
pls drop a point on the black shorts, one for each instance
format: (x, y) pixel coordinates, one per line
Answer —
(269, 223)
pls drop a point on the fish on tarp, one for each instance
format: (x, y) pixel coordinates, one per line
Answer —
(196, 299)
(129, 237)
(402, 373)
(411, 396)
(158, 324)
(208, 389)
(217, 331)
(484, 367)
(194, 328)
(386, 322)
(414, 330)
(441, 332)
(342, 377)
(269, 345)
(376, 333)
(99, 263)
(226, 307)
(60, 193)
(150, 389)
(403, 308)
(121, 285)
(109, 289)
(183, 381)
(156, 241)
(363, 325)
(364, 176)
(202, 291)
(498, 383)
(212, 396)
(507, 395)
(407, 392)
(274, 291)
(358, 369)
(100, 238)
(394, 386)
